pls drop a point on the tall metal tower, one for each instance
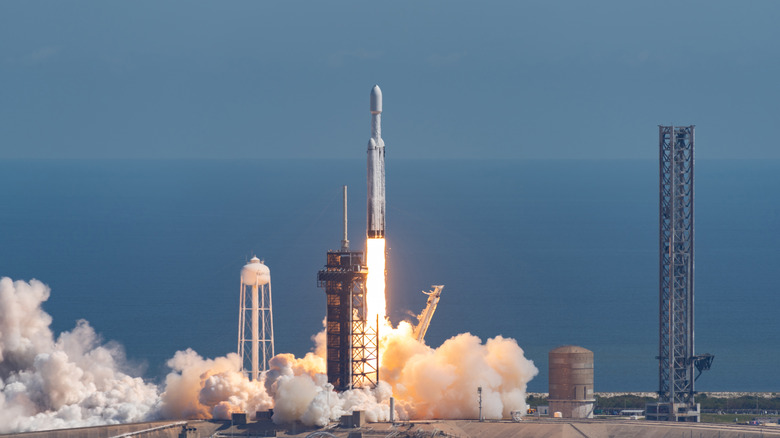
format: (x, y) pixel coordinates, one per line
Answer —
(255, 319)
(676, 350)
(352, 345)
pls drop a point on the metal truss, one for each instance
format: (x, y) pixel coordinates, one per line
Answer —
(255, 329)
(365, 354)
(352, 345)
(676, 350)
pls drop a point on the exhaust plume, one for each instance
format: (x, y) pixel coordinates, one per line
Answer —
(442, 382)
(375, 282)
(68, 382)
(76, 380)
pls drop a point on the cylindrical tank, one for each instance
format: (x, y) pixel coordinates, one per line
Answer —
(255, 273)
(571, 381)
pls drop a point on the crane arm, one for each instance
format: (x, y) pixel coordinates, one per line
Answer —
(424, 319)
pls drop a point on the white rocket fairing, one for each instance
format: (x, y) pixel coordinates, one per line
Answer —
(376, 170)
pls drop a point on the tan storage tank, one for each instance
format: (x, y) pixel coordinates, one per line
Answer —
(571, 382)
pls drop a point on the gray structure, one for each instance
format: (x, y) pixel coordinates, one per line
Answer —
(676, 350)
(571, 382)
(352, 345)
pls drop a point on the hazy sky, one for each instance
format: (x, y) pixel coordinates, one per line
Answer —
(286, 79)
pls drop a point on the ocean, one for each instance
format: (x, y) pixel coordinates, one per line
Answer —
(549, 253)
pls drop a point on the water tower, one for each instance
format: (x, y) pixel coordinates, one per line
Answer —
(255, 319)
(571, 382)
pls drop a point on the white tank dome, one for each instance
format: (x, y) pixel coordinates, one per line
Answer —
(255, 273)
(376, 100)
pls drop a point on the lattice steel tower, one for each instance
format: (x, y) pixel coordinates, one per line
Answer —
(676, 225)
(352, 345)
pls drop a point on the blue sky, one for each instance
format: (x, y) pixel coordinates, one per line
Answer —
(494, 80)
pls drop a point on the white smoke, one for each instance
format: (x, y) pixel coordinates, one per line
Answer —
(442, 382)
(210, 388)
(297, 390)
(75, 380)
(312, 400)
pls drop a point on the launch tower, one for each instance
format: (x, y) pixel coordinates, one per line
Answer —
(352, 345)
(676, 352)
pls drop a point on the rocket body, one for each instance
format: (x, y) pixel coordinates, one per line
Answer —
(376, 170)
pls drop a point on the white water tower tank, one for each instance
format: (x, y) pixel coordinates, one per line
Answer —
(255, 273)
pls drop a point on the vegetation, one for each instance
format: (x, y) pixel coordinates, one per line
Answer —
(536, 401)
(740, 404)
(623, 402)
(743, 403)
(726, 418)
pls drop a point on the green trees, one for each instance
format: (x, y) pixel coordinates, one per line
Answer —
(745, 402)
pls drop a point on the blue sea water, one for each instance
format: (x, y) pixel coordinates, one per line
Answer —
(546, 252)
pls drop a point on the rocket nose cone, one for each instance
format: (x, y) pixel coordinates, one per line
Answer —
(376, 100)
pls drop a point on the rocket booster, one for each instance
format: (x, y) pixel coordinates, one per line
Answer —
(376, 170)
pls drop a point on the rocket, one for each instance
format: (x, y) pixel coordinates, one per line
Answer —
(376, 170)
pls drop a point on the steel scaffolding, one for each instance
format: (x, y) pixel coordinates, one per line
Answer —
(352, 345)
(676, 357)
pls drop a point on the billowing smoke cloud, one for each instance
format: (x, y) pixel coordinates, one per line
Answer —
(297, 389)
(71, 381)
(75, 380)
(442, 382)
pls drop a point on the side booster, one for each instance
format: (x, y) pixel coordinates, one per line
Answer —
(376, 170)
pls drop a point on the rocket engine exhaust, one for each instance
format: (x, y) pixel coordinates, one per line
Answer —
(375, 282)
